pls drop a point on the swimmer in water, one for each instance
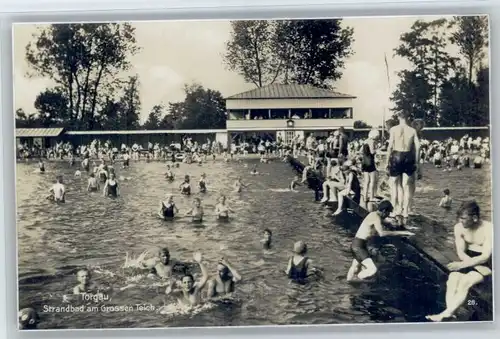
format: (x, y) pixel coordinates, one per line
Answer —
(78, 174)
(446, 200)
(222, 210)
(267, 239)
(83, 276)
(299, 265)
(111, 187)
(41, 166)
(93, 184)
(189, 293)
(239, 185)
(224, 281)
(185, 187)
(196, 212)
(169, 175)
(363, 264)
(254, 170)
(28, 319)
(202, 183)
(295, 182)
(160, 266)
(168, 208)
(58, 191)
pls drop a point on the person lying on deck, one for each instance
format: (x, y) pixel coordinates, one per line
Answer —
(474, 243)
(352, 187)
(362, 264)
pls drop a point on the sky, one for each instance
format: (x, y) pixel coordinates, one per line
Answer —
(174, 53)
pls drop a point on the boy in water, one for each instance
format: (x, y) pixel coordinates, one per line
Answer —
(189, 294)
(57, 191)
(239, 185)
(203, 183)
(446, 200)
(161, 265)
(363, 264)
(254, 170)
(224, 281)
(93, 184)
(196, 212)
(266, 241)
(222, 210)
(41, 166)
(83, 277)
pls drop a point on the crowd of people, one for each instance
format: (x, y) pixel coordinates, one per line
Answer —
(350, 168)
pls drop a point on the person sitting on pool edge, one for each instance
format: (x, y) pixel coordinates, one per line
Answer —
(363, 264)
(189, 293)
(224, 280)
(299, 265)
(222, 210)
(352, 187)
(474, 246)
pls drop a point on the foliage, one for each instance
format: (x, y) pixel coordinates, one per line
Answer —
(299, 51)
(201, 109)
(361, 124)
(84, 61)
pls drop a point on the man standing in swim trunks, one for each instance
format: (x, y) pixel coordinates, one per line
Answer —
(371, 225)
(474, 244)
(402, 163)
(224, 280)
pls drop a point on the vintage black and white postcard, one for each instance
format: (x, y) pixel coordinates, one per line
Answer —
(249, 173)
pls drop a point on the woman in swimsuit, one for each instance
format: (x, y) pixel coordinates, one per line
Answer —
(111, 187)
(196, 212)
(41, 166)
(169, 175)
(185, 187)
(368, 167)
(299, 265)
(168, 208)
(203, 184)
(93, 184)
(222, 210)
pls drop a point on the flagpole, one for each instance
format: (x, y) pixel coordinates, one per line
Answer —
(388, 91)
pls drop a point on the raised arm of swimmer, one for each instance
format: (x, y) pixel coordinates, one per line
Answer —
(204, 271)
(377, 223)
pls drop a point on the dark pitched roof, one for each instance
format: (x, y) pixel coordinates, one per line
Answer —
(293, 91)
(38, 132)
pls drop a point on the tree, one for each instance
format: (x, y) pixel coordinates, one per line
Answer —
(154, 118)
(458, 104)
(201, 109)
(83, 60)
(483, 97)
(130, 105)
(300, 51)
(361, 124)
(250, 51)
(24, 120)
(53, 108)
(425, 46)
(313, 51)
(471, 36)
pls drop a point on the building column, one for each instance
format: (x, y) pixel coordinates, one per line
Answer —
(249, 114)
(269, 113)
(289, 113)
(329, 113)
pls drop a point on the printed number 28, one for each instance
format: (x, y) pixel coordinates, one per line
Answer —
(471, 302)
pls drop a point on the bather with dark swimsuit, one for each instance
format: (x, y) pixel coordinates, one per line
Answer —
(472, 254)
(359, 249)
(203, 186)
(368, 164)
(186, 189)
(112, 189)
(167, 211)
(298, 272)
(402, 162)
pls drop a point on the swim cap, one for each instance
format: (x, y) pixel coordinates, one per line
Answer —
(299, 247)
